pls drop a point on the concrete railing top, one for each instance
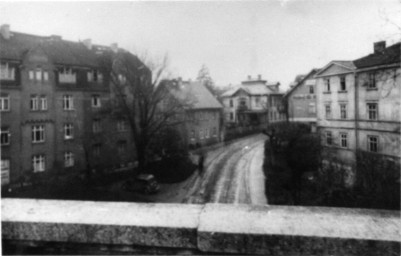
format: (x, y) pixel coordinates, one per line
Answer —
(209, 228)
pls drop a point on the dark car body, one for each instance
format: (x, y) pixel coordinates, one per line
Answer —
(143, 183)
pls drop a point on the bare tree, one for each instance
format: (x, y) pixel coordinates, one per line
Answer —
(142, 97)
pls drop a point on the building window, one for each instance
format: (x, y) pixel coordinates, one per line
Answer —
(343, 111)
(68, 131)
(214, 132)
(372, 111)
(232, 116)
(201, 134)
(4, 102)
(38, 75)
(96, 101)
(372, 80)
(68, 159)
(373, 143)
(122, 125)
(311, 89)
(5, 136)
(68, 102)
(344, 140)
(34, 103)
(43, 102)
(31, 75)
(192, 135)
(5, 171)
(96, 126)
(327, 84)
(38, 133)
(45, 75)
(327, 110)
(231, 103)
(67, 75)
(206, 133)
(96, 149)
(343, 85)
(329, 138)
(122, 147)
(95, 76)
(38, 163)
(312, 108)
(7, 72)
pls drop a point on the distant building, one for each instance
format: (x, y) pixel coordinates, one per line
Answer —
(359, 105)
(52, 94)
(254, 103)
(301, 99)
(202, 113)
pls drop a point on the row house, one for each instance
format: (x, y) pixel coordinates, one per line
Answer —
(300, 99)
(359, 105)
(254, 103)
(52, 93)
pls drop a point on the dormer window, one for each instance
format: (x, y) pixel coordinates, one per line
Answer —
(7, 72)
(67, 75)
(95, 76)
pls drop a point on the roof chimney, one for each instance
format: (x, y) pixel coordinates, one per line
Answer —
(88, 43)
(259, 77)
(379, 47)
(114, 47)
(5, 31)
(249, 77)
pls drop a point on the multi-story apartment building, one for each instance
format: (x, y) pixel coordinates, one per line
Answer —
(255, 102)
(378, 106)
(300, 100)
(358, 105)
(52, 91)
(201, 115)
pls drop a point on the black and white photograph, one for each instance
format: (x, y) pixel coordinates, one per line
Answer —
(200, 127)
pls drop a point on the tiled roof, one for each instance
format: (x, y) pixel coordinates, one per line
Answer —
(59, 51)
(199, 96)
(256, 89)
(390, 55)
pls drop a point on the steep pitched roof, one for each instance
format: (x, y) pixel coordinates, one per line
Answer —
(301, 79)
(59, 51)
(390, 55)
(197, 94)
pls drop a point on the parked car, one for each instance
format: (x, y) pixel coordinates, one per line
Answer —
(143, 183)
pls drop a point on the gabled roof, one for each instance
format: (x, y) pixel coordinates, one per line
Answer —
(59, 51)
(198, 95)
(345, 64)
(256, 89)
(390, 55)
(301, 79)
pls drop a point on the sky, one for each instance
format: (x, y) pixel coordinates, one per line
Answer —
(276, 39)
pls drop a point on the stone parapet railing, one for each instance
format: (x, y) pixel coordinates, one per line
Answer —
(114, 227)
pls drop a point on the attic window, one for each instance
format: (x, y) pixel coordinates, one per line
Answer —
(7, 72)
(67, 75)
(95, 76)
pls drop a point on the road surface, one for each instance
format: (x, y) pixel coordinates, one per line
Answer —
(232, 174)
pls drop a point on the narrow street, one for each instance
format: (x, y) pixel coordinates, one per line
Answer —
(233, 174)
